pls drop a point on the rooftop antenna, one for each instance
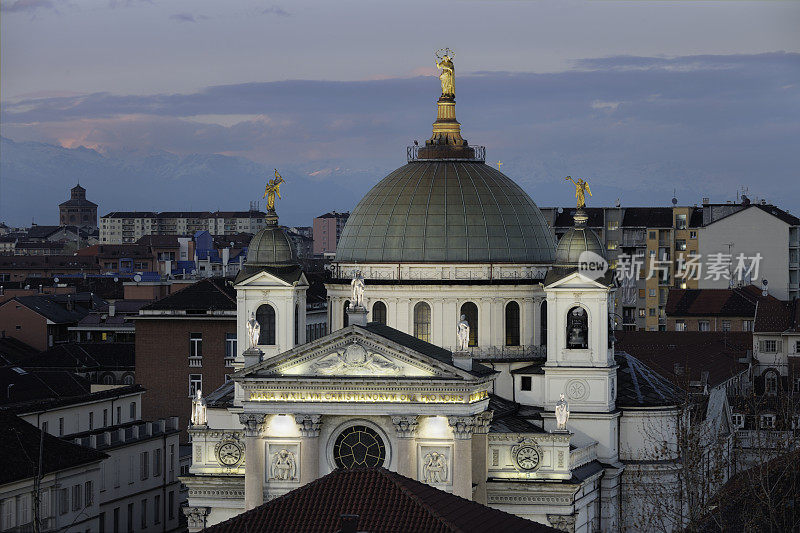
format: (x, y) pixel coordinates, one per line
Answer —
(674, 197)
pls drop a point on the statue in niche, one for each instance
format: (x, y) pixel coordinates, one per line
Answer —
(435, 468)
(444, 61)
(358, 290)
(463, 334)
(198, 417)
(562, 413)
(253, 331)
(283, 465)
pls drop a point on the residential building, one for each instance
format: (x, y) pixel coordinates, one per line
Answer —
(118, 227)
(713, 309)
(185, 342)
(751, 229)
(66, 489)
(78, 211)
(20, 268)
(44, 320)
(327, 230)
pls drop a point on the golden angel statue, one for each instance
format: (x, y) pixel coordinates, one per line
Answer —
(273, 188)
(581, 187)
(448, 74)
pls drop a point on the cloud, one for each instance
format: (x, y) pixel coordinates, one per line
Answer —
(20, 6)
(187, 17)
(275, 10)
(638, 126)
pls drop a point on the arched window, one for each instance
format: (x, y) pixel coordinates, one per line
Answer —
(108, 379)
(265, 314)
(379, 312)
(512, 324)
(345, 316)
(470, 311)
(128, 379)
(577, 328)
(543, 323)
(296, 325)
(422, 321)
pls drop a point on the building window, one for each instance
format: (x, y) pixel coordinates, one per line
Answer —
(88, 490)
(422, 321)
(641, 313)
(768, 421)
(680, 325)
(796, 385)
(769, 346)
(345, 316)
(132, 409)
(119, 414)
(651, 311)
(230, 346)
(726, 325)
(379, 312)
(143, 513)
(526, 383)
(680, 221)
(703, 325)
(470, 311)
(171, 504)
(651, 235)
(577, 328)
(652, 293)
(359, 446)
(612, 245)
(157, 509)
(692, 234)
(738, 420)
(91, 420)
(61, 426)
(747, 325)
(265, 315)
(613, 224)
(680, 245)
(512, 324)
(130, 518)
(76, 497)
(195, 345)
(195, 384)
(63, 501)
(641, 293)
(771, 383)
(144, 465)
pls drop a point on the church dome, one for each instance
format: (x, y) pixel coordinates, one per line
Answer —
(577, 240)
(446, 210)
(270, 246)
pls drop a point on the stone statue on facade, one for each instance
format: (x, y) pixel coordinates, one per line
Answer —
(435, 468)
(283, 465)
(463, 334)
(358, 290)
(198, 417)
(273, 188)
(562, 413)
(444, 61)
(581, 187)
(253, 331)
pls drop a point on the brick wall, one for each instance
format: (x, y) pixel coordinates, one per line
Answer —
(714, 322)
(23, 324)
(162, 363)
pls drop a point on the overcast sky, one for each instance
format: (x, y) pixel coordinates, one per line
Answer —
(701, 96)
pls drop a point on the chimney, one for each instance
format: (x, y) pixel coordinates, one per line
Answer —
(705, 200)
(112, 309)
(348, 523)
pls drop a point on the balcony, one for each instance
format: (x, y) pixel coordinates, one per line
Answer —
(412, 153)
(195, 361)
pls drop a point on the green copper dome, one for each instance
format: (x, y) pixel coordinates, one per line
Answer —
(270, 246)
(576, 240)
(446, 210)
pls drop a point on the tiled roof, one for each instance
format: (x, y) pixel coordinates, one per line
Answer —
(683, 356)
(777, 316)
(418, 345)
(56, 388)
(209, 294)
(49, 308)
(383, 500)
(288, 273)
(159, 241)
(15, 352)
(334, 214)
(649, 217)
(19, 443)
(86, 355)
(48, 261)
(130, 214)
(639, 386)
(506, 418)
(708, 302)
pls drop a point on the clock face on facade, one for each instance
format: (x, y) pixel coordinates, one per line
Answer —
(229, 453)
(527, 458)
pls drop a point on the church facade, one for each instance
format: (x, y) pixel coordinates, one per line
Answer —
(466, 351)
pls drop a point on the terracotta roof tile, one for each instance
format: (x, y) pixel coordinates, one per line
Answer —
(383, 500)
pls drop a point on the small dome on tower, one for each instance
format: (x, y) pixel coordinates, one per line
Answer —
(576, 240)
(270, 246)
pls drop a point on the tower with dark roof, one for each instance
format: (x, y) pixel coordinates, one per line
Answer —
(78, 211)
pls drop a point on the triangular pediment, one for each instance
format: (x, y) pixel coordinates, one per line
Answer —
(354, 352)
(265, 278)
(577, 280)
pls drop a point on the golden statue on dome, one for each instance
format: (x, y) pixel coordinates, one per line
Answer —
(444, 61)
(273, 188)
(581, 187)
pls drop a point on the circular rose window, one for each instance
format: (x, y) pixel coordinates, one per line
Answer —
(359, 446)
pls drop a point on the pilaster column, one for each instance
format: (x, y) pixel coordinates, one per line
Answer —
(528, 322)
(480, 452)
(406, 430)
(462, 454)
(309, 446)
(253, 459)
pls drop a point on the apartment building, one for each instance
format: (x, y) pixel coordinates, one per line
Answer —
(327, 229)
(119, 227)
